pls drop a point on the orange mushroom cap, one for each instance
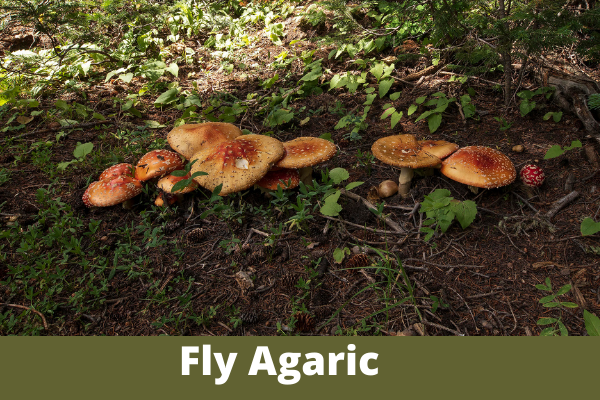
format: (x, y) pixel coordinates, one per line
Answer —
(188, 139)
(403, 151)
(305, 152)
(280, 177)
(439, 148)
(166, 184)
(110, 192)
(157, 163)
(116, 170)
(479, 166)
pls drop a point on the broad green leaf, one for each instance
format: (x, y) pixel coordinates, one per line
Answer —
(434, 122)
(395, 96)
(589, 227)
(352, 185)
(82, 150)
(563, 328)
(563, 290)
(338, 174)
(526, 107)
(553, 152)
(412, 109)
(331, 207)
(546, 321)
(420, 100)
(377, 70)
(63, 165)
(113, 73)
(63, 105)
(327, 136)
(388, 112)
(182, 184)
(370, 98)
(153, 124)
(396, 117)
(541, 286)
(465, 212)
(173, 69)
(167, 97)
(592, 323)
(312, 75)
(85, 67)
(98, 116)
(568, 304)
(424, 115)
(384, 87)
(547, 299)
(339, 255)
(550, 331)
(369, 90)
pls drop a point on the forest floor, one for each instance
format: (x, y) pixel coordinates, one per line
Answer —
(477, 281)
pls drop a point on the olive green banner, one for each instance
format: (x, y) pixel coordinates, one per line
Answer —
(292, 368)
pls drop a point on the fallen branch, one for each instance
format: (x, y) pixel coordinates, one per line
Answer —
(370, 206)
(561, 203)
(28, 309)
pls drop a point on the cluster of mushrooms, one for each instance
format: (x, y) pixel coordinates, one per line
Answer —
(475, 166)
(228, 158)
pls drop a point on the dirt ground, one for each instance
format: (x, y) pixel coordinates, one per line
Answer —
(485, 275)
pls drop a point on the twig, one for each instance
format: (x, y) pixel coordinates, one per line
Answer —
(442, 265)
(363, 227)
(559, 204)
(370, 206)
(526, 202)
(478, 296)
(457, 333)
(28, 309)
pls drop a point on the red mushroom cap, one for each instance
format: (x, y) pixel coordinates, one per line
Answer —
(532, 175)
(157, 163)
(280, 177)
(110, 192)
(116, 170)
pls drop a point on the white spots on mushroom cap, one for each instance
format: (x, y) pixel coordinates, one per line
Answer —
(479, 166)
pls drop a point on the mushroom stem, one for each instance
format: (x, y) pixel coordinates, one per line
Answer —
(306, 175)
(406, 175)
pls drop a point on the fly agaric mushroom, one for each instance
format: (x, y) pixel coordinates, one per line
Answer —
(110, 192)
(403, 151)
(532, 175)
(188, 139)
(285, 177)
(166, 185)
(479, 167)
(439, 148)
(116, 170)
(303, 153)
(157, 163)
(236, 164)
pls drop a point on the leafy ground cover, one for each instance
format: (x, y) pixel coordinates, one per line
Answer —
(101, 84)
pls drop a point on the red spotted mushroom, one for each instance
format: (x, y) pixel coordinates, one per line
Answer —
(532, 177)
(236, 164)
(117, 170)
(188, 139)
(303, 153)
(157, 163)
(111, 191)
(283, 177)
(479, 167)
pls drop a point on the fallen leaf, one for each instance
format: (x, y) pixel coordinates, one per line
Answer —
(24, 120)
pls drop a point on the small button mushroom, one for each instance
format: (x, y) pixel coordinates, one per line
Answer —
(387, 188)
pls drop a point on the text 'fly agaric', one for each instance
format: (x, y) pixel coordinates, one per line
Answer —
(188, 139)
(236, 164)
(480, 167)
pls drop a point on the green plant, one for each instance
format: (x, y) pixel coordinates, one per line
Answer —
(365, 159)
(594, 101)
(441, 209)
(556, 116)
(434, 117)
(340, 254)
(550, 301)
(556, 150)
(589, 227)
(80, 152)
(356, 122)
(592, 323)
(504, 124)
(527, 104)
(331, 207)
(4, 176)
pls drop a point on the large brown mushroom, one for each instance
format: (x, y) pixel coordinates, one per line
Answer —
(188, 139)
(111, 191)
(303, 153)
(236, 164)
(479, 167)
(157, 163)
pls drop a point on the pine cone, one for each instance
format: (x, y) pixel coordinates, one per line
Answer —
(322, 312)
(304, 322)
(196, 235)
(289, 281)
(249, 317)
(358, 261)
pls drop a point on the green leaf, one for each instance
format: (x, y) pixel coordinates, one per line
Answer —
(167, 97)
(412, 109)
(97, 116)
(181, 185)
(63, 165)
(563, 290)
(547, 299)
(388, 112)
(592, 323)
(420, 100)
(173, 69)
(546, 321)
(338, 174)
(370, 98)
(153, 124)
(551, 304)
(377, 70)
(563, 328)
(550, 331)
(326, 136)
(280, 116)
(396, 117)
(126, 77)
(589, 227)
(352, 185)
(568, 304)
(339, 255)
(82, 150)
(526, 107)
(554, 152)
(384, 87)
(465, 212)
(331, 208)
(395, 96)
(85, 67)
(434, 122)
(548, 283)
(312, 75)
(543, 287)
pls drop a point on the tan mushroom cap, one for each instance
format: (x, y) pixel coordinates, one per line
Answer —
(188, 139)
(110, 192)
(167, 183)
(480, 167)
(305, 152)
(439, 148)
(403, 151)
(237, 164)
(280, 177)
(116, 170)
(157, 163)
